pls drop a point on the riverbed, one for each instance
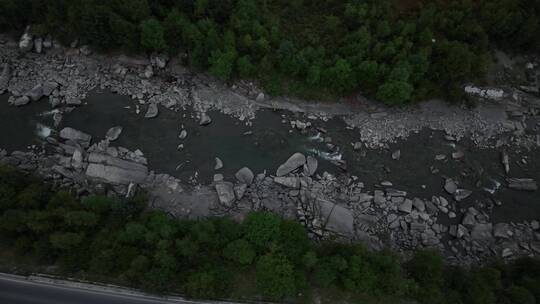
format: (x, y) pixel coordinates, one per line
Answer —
(269, 140)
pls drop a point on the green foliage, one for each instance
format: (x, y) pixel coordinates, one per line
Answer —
(239, 251)
(152, 35)
(261, 229)
(275, 276)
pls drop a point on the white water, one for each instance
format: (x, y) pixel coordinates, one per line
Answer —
(42, 130)
(326, 155)
(317, 137)
(49, 113)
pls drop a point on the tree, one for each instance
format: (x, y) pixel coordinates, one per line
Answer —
(261, 229)
(395, 92)
(240, 251)
(152, 35)
(275, 276)
(222, 63)
(340, 77)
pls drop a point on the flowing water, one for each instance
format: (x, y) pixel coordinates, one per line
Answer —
(269, 142)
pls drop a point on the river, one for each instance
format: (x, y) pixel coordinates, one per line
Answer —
(270, 141)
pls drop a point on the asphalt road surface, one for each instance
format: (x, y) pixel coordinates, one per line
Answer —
(20, 291)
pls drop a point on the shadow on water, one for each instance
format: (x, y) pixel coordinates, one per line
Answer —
(271, 142)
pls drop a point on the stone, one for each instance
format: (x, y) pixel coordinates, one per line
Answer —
(115, 175)
(205, 120)
(523, 184)
(245, 175)
(38, 45)
(462, 194)
(26, 43)
(458, 231)
(113, 133)
(482, 232)
(47, 42)
(458, 155)
(152, 111)
(20, 101)
(183, 134)
(75, 135)
(450, 186)
(260, 97)
(291, 182)
(49, 87)
(240, 191)
(386, 184)
(535, 225)
(502, 230)
(36, 93)
(159, 60)
(440, 157)
(294, 162)
(419, 204)
(396, 155)
(85, 50)
(5, 76)
(219, 164)
(335, 218)
(225, 192)
(148, 72)
(77, 159)
(406, 206)
(310, 167)
(218, 177)
(505, 160)
(357, 145)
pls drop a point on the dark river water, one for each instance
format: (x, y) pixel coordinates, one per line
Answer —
(270, 142)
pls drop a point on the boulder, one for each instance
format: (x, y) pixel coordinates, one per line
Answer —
(311, 166)
(4, 78)
(36, 93)
(502, 230)
(294, 162)
(183, 134)
(20, 101)
(219, 164)
(75, 135)
(482, 232)
(461, 194)
(336, 218)
(113, 133)
(260, 97)
(38, 45)
(115, 175)
(26, 43)
(49, 87)
(205, 120)
(240, 190)
(225, 192)
(524, 184)
(450, 186)
(47, 42)
(291, 182)
(85, 50)
(245, 176)
(406, 206)
(159, 61)
(218, 177)
(396, 155)
(77, 159)
(152, 111)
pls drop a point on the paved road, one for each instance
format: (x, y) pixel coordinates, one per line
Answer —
(20, 291)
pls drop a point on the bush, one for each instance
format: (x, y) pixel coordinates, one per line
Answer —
(261, 229)
(240, 251)
(275, 277)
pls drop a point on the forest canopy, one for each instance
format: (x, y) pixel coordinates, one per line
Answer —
(397, 51)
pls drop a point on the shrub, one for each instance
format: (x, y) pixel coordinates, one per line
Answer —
(275, 276)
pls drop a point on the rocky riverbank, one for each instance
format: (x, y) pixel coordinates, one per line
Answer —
(330, 205)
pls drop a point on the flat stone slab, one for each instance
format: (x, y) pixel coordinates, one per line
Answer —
(115, 175)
